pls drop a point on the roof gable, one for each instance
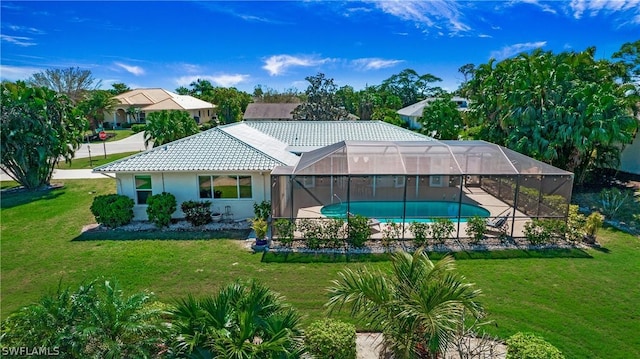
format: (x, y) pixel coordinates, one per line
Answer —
(212, 150)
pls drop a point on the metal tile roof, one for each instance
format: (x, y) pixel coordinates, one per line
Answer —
(309, 135)
(255, 145)
(212, 150)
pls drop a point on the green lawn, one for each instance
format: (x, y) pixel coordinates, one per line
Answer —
(584, 302)
(97, 159)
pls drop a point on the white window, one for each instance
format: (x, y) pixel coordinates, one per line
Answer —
(225, 186)
(143, 188)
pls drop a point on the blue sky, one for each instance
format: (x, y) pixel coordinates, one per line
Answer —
(278, 44)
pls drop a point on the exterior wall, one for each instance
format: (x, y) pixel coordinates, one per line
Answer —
(412, 122)
(205, 115)
(630, 159)
(184, 186)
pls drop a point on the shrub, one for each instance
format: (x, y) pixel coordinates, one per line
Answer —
(331, 339)
(575, 224)
(441, 229)
(197, 213)
(391, 232)
(593, 224)
(359, 230)
(333, 232)
(322, 233)
(420, 232)
(531, 346)
(541, 231)
(126, 125)
(613, 200)
(138, 127)
(285, 229)
(160, 207)
(260, 226)
(476, 228)
(262, 210)
(207, 126)
(112, 210)
(311, 233)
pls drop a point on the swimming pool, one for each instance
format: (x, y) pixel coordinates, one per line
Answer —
(422, 211)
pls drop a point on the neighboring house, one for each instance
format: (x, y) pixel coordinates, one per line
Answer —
(630, 158)
(276, 112)
(412, 113)
(270, 111)
(231, 165)
(136, 104)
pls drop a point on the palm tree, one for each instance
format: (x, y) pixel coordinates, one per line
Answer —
(96, 321)
(419, 305)
(166, 126)
(241, 321)
(95, 104)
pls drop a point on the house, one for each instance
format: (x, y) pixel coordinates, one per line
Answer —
(412, 113)
(630, 157)
(133, 106)
(231, 165)
(269, 111)
(276, 112)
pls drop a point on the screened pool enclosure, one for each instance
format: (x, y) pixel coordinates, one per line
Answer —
(420, 181)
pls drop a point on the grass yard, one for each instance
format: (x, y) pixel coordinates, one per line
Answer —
(585, 303)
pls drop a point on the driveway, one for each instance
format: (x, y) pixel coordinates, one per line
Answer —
(132, 143)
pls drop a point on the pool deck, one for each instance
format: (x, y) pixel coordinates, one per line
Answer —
(483, 199)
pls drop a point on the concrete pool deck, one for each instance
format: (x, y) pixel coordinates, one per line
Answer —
(482, 198)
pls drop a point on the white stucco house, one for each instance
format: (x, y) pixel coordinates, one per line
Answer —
(133, 106)
(412, 113)
(231, 165)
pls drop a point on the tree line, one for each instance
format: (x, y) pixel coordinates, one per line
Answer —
(567, 109)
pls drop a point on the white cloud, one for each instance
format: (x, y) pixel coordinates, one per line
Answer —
(229, 80)
(31, 30)
(374, 63)
(135, 70)
(15, 73)
(436, 13)
(223, 80)
(595, 7)
(18, 40)
(511, 50)
(543, 5)
(278, 64)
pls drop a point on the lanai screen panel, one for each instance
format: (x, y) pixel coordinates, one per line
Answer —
(480, 158)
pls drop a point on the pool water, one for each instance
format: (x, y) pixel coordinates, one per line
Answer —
(415, 211)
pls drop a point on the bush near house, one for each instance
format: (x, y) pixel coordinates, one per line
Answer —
(112, 210)
(138, 127)
(329, 338)
(160, 207)
(530, 346)
(197, 213)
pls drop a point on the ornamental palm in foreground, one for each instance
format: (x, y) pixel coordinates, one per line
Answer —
(241, 321)
(419, 304)
(95, 321)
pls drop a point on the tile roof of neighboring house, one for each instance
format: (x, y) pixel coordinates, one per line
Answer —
(417, 108)
(270, 111)
(212, 150)
(303, 136)
(255, 145)
(156, 99)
